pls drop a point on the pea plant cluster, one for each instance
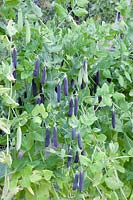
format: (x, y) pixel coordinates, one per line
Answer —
(66, 102)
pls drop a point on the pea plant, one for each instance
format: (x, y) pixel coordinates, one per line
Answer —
(66, 102)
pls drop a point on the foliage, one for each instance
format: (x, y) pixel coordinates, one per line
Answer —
(78, 49)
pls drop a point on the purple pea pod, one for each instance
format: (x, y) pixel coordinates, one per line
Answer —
(75, 182)
(80, 141)
(85, 65)
(113, 119)
(20, 101)
(76, 160)
(40, 89)
(55, 138)
(76, 105)
(69, 157)
(42, 98)
(118, 16)
(58, 92)
(70, 112)
(14, 58)
(83, 84)
(20, 155)
(99, 99)
(81, 179)
(121, 36)
(65, 86)
(34, 88)
(43, 76)
(73, 133)
(47, 137)
(14, 74)
(25, 94)
(72, 83)
(37, 68)
(97, 78)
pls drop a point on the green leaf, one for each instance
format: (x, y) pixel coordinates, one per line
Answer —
(82, 3)
(131, 93)
(36, 9)
(47, 174)
(130, 152)
(61, 12)
(84, 160)
(113, 183)
(20, 20)
(113, 147)
(121, 81)
(28, 32)
(79, 12)
(5, 125)
(9, 101)
(127, 76)
(3, 90)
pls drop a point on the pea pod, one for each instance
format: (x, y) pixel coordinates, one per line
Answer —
(69, 157)
(75, 181)
(70, 112)
(113, 119)
(47, 137)
(37, 68)
(76, 105)
(79, 141)
(43, 76)
(81, 179)
(55, 137)
(65, 86)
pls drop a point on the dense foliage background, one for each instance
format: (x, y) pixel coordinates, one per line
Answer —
(43, 45)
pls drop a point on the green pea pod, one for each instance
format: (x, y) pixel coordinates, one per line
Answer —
(20, 20)
(19, 138)
(28, 32)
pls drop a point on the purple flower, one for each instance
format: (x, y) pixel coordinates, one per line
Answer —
(43, 76)
(76, 157)
(14, 58)
(79, 141)
(37, 68)
(55, 138)
(34, 88)
(58, 92)
(81, 179)
(73, 133)
(20, 155)
(65, 86)
(69, 157)
(75, 182)
(70, 112)
(76, 105)
(113, 119)
(47, 137)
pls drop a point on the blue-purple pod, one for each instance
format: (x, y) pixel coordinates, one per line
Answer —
(80, 141)
(25, 94)
(69, 157)
(73, 133)
(83, 84)
(76, 160)
(65, 86)
(14, 58)
(34, 88)
(113, 119)
(37, 68)
(97, 79)
(58, 92)
(72, 83)
(14, 74)
(81, 179)
(47, 137)
(70, 112)
(76, 105)
(75, 182)
(55, 137)
(118, 16)
(20, 101)
(42, 98)
(99, 99)
(43, 76)
(121, 36)
(40, 88)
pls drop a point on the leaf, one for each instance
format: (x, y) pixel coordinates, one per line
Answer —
(113, 183)
(82, 3)
(121, 80)
(127, 76)
(61, 12)
(84, 160)
(36, 9)
(79, 12)
(88, 118)
(9, 101)
(130, 152)
(4, 125)
(47, 174)
(35, 177)
(42, 111)
(19, 138)
(131, 93)
(11, 28)
(113, 147)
